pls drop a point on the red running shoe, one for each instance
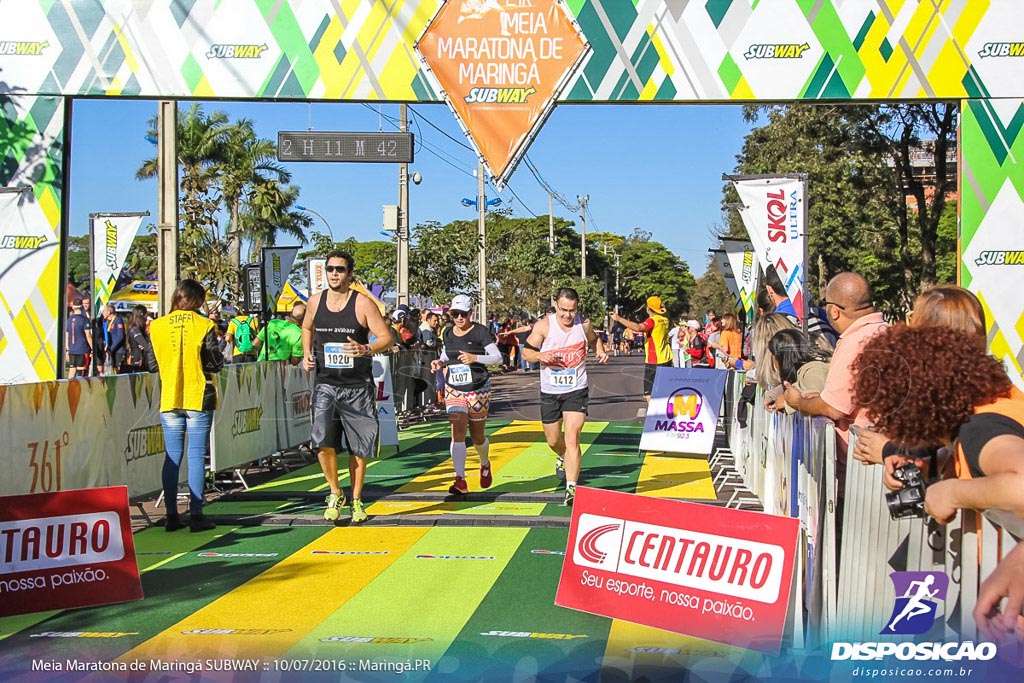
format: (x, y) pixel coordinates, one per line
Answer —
(485, 476)
(459, 488)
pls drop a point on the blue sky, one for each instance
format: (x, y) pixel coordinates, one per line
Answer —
(657, 167)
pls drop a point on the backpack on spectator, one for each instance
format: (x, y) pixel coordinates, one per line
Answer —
(243, 336)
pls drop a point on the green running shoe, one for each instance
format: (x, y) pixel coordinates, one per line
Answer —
(358, 513)
(334, 504)
(570, 495)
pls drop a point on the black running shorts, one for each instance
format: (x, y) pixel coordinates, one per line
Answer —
(553, 405)
(345, 411)
(649, 371)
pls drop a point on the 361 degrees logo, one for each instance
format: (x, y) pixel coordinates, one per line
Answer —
(917, 597)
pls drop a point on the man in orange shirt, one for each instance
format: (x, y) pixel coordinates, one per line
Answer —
(658, 351)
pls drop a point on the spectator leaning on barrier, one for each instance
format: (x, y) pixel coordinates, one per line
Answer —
(848, 306)
(925, 386)
(185, 353)
(941, 306)
(285, 337)
(1006, 581)
(798, 362)
(819, 325)
(730, 342)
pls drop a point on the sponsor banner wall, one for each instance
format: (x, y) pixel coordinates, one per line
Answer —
(296, 403)
(652, 50)
(67, 549)
(708, 572)
(991, 239)
(773, 214)
(386, 416)
(134, 421)
(32, 135)
(246, 422)
(683, 412)
(112, 237)
(745, 270)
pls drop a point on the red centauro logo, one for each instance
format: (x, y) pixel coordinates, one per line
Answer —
(588, 543)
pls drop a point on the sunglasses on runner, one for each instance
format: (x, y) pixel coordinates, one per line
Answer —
(458, 314)
(336, 269)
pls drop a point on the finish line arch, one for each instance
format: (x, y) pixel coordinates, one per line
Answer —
(732, 51)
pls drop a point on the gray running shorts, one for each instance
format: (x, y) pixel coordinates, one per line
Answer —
(345, 411)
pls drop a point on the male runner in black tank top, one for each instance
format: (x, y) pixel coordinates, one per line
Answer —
(335, 334)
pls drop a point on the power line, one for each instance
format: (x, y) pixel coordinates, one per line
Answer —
(432, 125)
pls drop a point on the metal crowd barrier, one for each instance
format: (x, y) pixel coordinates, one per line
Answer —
(844, 592)
(413, 381)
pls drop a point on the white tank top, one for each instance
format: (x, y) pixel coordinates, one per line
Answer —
(572, 347)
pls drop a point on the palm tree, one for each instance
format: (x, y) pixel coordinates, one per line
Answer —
(268, 213)
(248, 162)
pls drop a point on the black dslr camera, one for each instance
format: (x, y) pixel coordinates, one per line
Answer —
(909, 500)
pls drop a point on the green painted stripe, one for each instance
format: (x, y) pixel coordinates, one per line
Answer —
(829, 29)
(443, 592)
(862, 35)
(523, 601)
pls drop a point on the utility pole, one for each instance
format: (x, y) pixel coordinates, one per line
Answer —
(551, 223)
(402, 290)
(481, 236)
(583, 233)
(167, 203)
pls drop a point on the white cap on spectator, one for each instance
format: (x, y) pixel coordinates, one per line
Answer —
(693, 323)
(461, 302)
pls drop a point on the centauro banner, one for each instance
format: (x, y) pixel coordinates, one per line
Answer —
(67, 549)
(501, 64)
(708, 572)
(112, 235)
(773, 213)
(744, 270)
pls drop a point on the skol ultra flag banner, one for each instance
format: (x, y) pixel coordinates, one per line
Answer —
(112, 235)
(742, 260)
(277, 264)
(773, 213)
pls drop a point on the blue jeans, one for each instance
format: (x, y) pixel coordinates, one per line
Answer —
(196, 425)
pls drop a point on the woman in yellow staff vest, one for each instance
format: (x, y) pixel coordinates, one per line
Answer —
(185, 353)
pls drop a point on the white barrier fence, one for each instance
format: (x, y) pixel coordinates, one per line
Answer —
(790, 463)
(105, 431)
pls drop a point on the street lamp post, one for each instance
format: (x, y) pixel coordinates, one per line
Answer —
(320, 216)
(402, 285)
(583, 199)
(481, 203)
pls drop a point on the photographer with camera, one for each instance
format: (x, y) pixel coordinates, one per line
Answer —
(932, 385)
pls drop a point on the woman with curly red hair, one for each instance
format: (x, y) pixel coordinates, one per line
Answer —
(929, 385)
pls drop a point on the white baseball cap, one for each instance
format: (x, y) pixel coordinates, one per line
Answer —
(693, 323)
(461, 302)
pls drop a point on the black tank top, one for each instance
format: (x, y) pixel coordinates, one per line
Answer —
(330, 330)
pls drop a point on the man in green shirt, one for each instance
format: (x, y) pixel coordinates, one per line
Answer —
(285, 337)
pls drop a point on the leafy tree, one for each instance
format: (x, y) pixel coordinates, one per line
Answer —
(648, 268)
(79, 268)
(711, 294)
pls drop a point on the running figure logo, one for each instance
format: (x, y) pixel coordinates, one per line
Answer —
(917, 597)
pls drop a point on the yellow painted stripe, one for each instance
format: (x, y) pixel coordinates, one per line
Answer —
(663, 476)
(624, 638)
(506, 444)
(300, 591)
(426, 507)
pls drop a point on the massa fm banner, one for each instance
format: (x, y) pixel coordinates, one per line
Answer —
(639, 51)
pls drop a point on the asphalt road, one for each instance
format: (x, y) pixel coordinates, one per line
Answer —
(616, 391)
